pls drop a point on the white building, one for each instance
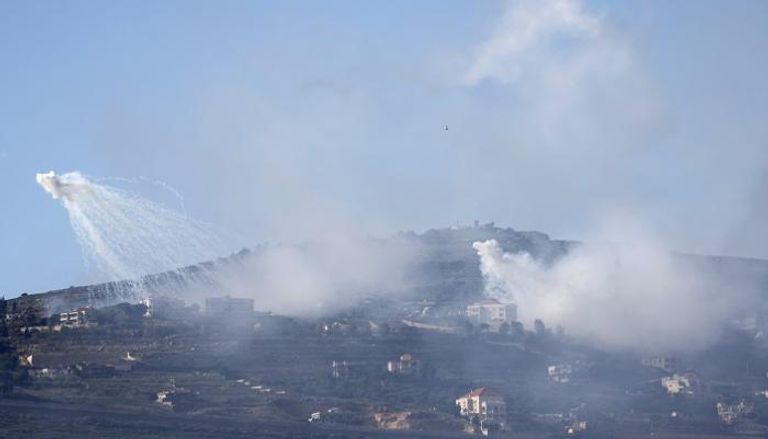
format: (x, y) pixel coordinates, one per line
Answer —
(405, 365)
(484, 403)
(677, 384)
(560, 373)
(76, 318)
(577, 427)
(162, 398)
(668, 364)
(491, 312)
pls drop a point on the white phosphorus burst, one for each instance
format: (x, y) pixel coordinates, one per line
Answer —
(124, 236)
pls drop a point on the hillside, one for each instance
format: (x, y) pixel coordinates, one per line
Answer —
(446, 269)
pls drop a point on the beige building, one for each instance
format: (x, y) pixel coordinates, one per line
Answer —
(483, 403)
(491, 312)
(76, 318)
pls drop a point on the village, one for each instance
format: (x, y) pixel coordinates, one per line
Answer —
(382, 367)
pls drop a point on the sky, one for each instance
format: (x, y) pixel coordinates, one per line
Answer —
(282, 120)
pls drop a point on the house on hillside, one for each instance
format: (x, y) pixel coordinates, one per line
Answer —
(665, 363)
(405, 365)
(491, 312)
(731, 413)
(77, 318)
(679, 384)
(486, 405)
(560, 373)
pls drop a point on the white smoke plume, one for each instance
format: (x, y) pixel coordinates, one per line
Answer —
(322, 276)
(532, 27)
(124, 236)
(569, 69)
(628, 292)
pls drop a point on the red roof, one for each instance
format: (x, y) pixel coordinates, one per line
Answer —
(480, 391)
(477, 392)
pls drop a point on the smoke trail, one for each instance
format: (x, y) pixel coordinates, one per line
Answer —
(165, 186)
(124, 236)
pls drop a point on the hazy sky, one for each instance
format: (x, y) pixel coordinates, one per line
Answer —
(283, 119)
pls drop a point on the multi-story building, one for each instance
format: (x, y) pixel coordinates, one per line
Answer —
(482, 402)
(491, 312)
(76, 318)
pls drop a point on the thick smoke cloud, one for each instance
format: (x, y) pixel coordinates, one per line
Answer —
(580, 82)
(621, 290)
(322, 276)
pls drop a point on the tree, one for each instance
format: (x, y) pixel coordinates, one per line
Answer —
(504, 329)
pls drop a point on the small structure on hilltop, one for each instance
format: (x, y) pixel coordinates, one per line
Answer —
(491, 312)
(405, 365)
